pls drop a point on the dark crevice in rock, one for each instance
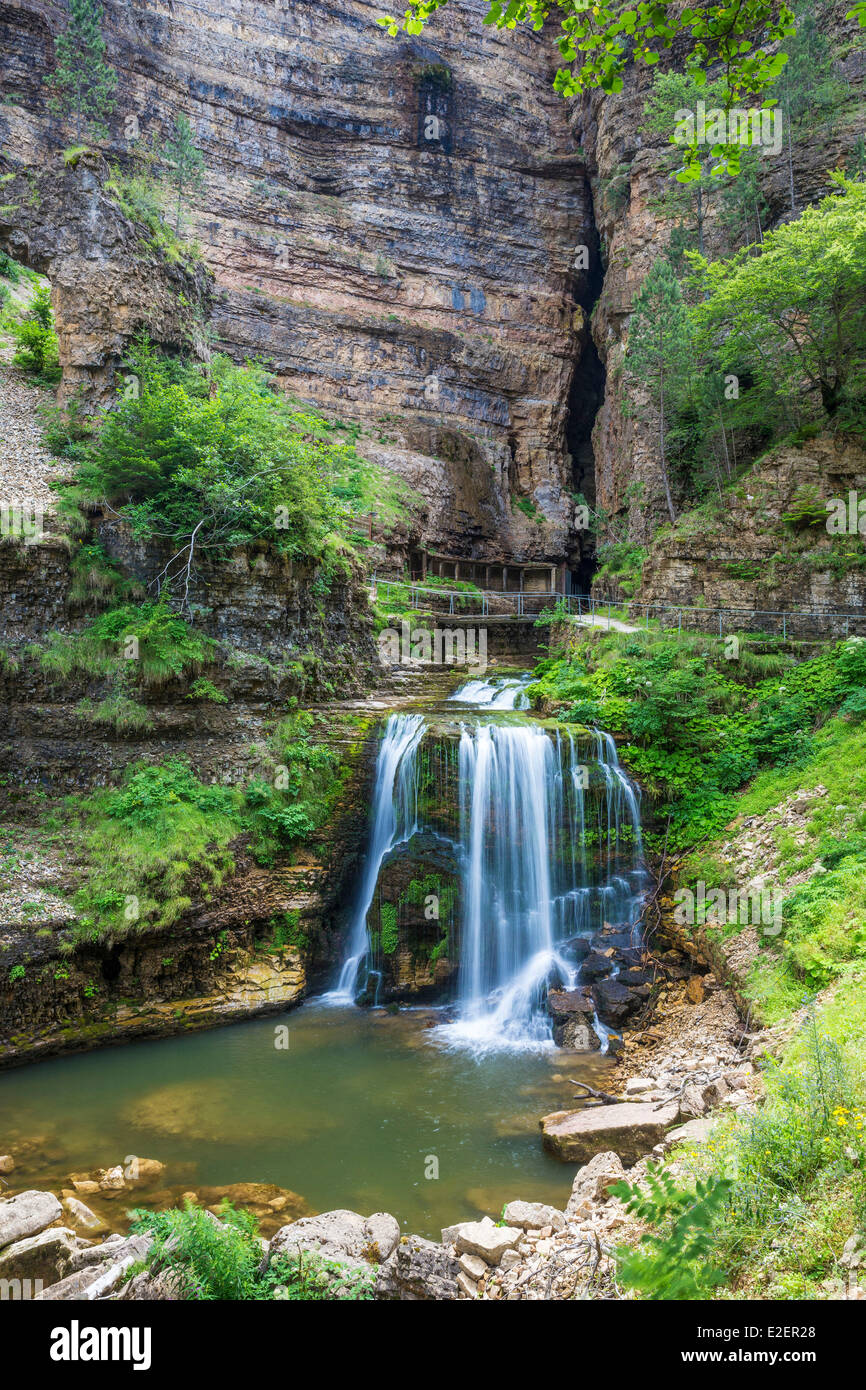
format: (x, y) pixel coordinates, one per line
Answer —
(585, 399)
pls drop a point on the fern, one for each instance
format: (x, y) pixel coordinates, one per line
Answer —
(674, 1265)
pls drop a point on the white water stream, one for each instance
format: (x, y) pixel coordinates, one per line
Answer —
(542, 859)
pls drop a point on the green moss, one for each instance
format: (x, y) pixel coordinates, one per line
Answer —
(388, 924)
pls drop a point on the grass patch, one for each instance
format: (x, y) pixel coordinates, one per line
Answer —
(223, 1260)
(144, 852)
(798, 1190)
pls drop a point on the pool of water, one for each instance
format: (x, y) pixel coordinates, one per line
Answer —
(360, 1111)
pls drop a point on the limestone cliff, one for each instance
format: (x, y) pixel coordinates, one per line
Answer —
(629, 171)
(768, 546)
(391, 224)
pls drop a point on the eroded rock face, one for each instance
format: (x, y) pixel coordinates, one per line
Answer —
(392, 223)
(752, 557)
(107, 281)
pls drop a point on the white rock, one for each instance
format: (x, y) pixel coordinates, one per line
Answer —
(486, 1239)
(82, 1216)
(467, 1285)
(109, 1280)
(26, 1215)
(112, 1180)
(144, 1169)
(341, 1235)
(533, 1216)
(592, 1181)
(473, 1265)
(638, 1084)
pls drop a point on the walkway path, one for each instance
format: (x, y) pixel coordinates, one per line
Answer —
(613, 624)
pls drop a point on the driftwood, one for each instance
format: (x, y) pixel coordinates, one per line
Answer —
(601, 1096)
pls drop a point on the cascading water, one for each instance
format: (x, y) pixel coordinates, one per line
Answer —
(498, 693)
(507, 935)
(549, 849)
(395, 818)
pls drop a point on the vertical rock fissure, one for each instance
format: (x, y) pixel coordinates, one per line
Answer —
(585, 399)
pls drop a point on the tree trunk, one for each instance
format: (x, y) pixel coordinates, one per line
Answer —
(701, 214)
(671, 513)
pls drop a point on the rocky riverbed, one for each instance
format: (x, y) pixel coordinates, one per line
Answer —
(671, 1081)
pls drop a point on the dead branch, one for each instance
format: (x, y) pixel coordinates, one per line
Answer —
(601, 1096)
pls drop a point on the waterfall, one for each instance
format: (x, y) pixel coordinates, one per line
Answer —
(507, 936)
(395, 816)
(500, 693)
(548, 850)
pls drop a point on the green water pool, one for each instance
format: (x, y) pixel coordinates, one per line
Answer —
(358, 1111)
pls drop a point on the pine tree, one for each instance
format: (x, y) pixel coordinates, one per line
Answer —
(83, 82)
(744, 207)
(673, 92)
(657, 357)
(808, 90)
(187, 163)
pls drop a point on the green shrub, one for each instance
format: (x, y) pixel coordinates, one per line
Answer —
(148, 793)
(37, 346)
(215, 458)
(146, 641)
(674, 1264)
(223, 1260)
(204, 689)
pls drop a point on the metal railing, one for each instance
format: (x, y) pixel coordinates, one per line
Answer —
(785, 622)
(465, 602)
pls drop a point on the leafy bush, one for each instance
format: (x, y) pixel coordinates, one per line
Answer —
(223, 1260)
(37, 350)
(67, 430)
(215, 459)
(148, 793)
(675, 1264)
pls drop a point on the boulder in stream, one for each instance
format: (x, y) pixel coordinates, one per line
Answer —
(572, 1013)
(630, 1130)
(343, 1236)
(615, 1001)
(27, 1214)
